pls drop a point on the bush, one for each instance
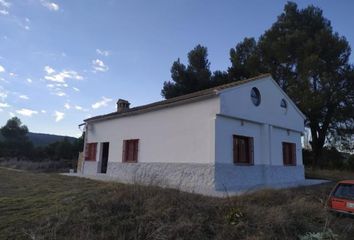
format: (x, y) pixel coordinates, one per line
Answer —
(42, 166)
(350, 162)
(331, 159)
(326, 235)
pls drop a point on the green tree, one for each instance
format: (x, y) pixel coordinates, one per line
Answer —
(307, 59)
(194, 77)
(245, 60)
(14, 130)
(16, 142)
(311, 63)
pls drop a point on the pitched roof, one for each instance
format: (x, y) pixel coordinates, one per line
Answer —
(191, 97)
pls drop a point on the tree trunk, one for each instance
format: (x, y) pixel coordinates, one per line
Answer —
(318, 139)
(317, 143)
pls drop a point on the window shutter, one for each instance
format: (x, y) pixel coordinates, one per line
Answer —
(130, 150)
(135, 155)
(251, 150)
(87, 151)
(243, 150)
(124, 154)
(94, 150)
(90, 152)
(235, 149)
(289, 153)
(293, 151)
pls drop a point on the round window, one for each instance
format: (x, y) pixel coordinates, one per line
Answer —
(255, 96)
(283, 104)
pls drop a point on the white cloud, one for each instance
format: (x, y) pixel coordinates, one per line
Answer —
(11, 114)
(3, 94)
(4, 105)
(60, 94)
(4, 12)
(61, 85)
(76, 89)
(26, 112)
(102, 103)
(98, 65)
(49, 70)
(103, 52)
(50, 5)
(5, 4)
(2, 69)
(60, 77)
(43, 111)
(12, 74)
(25, 97)
(77, 107)
(29, 80)
(4, 80)
(58, 116)
(67, 106)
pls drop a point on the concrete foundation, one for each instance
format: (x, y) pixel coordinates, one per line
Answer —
(206, 179)
(231, 177)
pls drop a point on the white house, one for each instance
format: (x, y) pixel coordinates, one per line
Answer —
(233, 137)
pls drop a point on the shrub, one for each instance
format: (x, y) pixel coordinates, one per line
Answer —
(326, 235)
(350, 162)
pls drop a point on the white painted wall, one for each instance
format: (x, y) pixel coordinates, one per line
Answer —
(225, 128)
(268, 123)
(237, 102)
(202, 131)
(267, 141)
(281, 135)
(180, 134)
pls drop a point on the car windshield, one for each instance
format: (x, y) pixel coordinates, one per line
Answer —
(345, 191)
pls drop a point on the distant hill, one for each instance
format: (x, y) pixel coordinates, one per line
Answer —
(42, 139)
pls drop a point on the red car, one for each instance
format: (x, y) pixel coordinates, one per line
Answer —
(341, 199)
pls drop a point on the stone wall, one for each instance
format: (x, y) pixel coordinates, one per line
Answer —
(198, 178)
(207, 179)
(90, 167)
(231, 177)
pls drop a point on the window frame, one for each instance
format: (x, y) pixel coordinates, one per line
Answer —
(283, 104)
(256, 97)
(91, 151)
(249, 150)
(289, 153)
(128, 146)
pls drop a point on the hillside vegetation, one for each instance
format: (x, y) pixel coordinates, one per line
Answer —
(43, 139)
(51, 206)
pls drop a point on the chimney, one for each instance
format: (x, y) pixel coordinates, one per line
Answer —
(122, 105)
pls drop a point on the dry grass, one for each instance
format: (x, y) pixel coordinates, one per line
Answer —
(39, 166)
(50, 206)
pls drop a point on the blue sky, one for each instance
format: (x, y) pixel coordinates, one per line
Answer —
(62, 61)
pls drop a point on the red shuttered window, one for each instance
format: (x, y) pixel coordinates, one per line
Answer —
(242, 150)
(90, 151)
(289, 153)
(130, 150)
